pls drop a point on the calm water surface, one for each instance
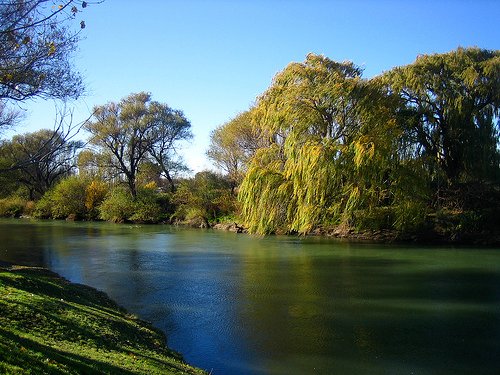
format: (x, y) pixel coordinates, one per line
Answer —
(237, 304)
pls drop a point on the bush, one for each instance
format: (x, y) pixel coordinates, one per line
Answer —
(12, 206)
(43, 208)
(95, 193)
(410, 216)
(68, 199)
(148, 206)
(204, 198)
(118, 206)
(375, 218)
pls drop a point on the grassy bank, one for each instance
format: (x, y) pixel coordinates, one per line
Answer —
(51, 326)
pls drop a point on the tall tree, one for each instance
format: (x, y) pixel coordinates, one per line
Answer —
(333, 156)
(311, 111)
(450, 106)
(169, 127)
(128, 133)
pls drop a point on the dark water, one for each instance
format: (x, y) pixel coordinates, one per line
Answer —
(236, 304)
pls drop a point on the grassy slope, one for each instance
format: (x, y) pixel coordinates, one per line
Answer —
(50, 326)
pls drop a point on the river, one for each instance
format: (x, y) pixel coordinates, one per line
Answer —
(239, 304)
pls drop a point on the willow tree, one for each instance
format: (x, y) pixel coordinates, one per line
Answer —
(451, 106)
(321, 137)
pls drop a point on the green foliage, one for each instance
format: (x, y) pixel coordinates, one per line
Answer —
(12, 206)
(43, 207)
(450, 106)
(332, 153)
(203, 198)
(68, 199)
(233, 144)
(373, 154)
(132, 132)
(38, 160)
(147, 207)
(118, 206)
(150, 207)
(73, 197)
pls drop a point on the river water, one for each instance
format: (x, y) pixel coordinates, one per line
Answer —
(238, 304)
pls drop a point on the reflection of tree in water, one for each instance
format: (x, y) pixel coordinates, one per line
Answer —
(355, 314)
(20, 244)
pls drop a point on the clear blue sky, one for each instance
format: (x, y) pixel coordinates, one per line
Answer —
(211, 59)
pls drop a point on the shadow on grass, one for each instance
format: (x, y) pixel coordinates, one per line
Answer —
(39, 358)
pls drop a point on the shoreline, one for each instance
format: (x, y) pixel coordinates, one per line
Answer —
(389, 236)
(49, 324)
(426, 237)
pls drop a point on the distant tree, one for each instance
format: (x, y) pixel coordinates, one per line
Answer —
(168, 128)
(137, 129)
(49, 155)
(233, 144)
(36, 42)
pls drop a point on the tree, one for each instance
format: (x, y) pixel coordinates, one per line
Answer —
(233, 144)
(49, 155)
(169, 127)
(312, 113)
(35, 47)
(136, 129)
(450, 108)
(36, 43)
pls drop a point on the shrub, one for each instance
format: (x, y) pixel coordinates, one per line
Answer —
(43, 208)
(148, 207)
(95, 193)
(410, 216)
(68, 198)
(12, 206)
(205, 197)
(118, 206)
(375, 218)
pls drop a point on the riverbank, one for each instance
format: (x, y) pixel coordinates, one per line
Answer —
(447, 232)
(51, 326)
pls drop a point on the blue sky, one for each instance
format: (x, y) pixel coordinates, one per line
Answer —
(211, 59)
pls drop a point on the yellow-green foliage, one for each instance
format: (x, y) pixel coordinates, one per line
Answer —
(68, 198)
(118, 206)
(95, 192)
(12, 206)
(205, 197)
(147, 207)
(333, 154)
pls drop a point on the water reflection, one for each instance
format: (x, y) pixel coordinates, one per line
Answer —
(235, 304)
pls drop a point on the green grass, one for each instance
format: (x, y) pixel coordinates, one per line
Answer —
(50, 326)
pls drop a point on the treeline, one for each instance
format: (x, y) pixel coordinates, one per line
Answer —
(414, 150)
(127, 171)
